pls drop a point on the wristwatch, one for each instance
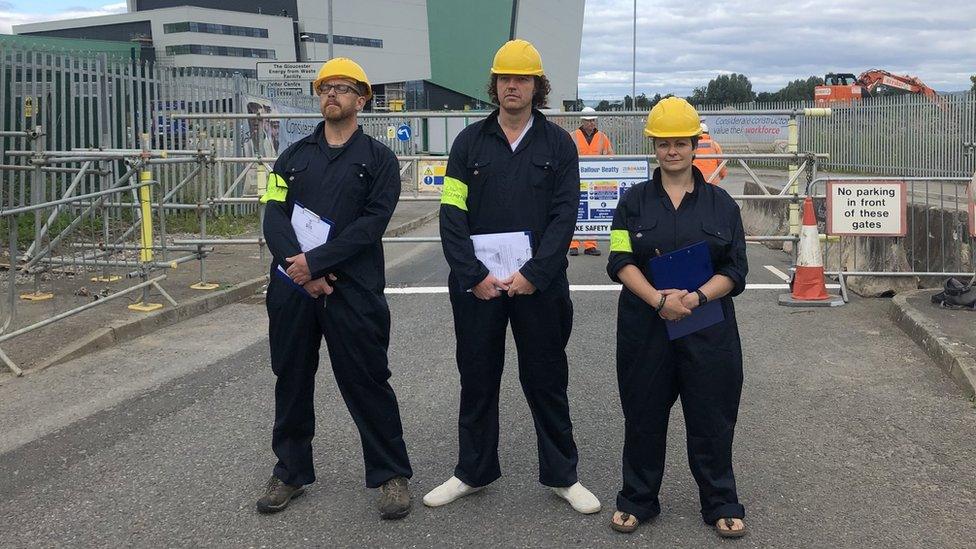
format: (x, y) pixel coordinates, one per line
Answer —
(701, 298)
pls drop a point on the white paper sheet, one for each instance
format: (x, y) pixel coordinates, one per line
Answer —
(312, 231)
(502, 253)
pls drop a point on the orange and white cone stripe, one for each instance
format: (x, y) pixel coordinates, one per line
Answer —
(809, 283)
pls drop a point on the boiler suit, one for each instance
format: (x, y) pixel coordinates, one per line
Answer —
(356, 188)
(491, 189)
(703, 368)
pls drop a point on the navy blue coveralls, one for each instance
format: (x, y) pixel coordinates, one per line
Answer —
(491, 189)
(356, 187)
(703, 368)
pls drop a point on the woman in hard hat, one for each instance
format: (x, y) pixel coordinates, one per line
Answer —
(675, 209)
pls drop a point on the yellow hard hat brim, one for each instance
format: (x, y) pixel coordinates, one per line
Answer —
(537, 72)
(666, 135)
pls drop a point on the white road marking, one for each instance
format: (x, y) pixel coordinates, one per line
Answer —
(579, 288)
(779, 274)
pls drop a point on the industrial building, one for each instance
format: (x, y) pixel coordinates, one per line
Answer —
(421, 54)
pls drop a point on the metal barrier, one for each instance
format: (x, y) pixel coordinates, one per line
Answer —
(908, 135)
(107, 135)
(937, 243)
(107, 230)
(110, 228)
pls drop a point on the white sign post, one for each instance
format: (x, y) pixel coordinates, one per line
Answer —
(972, 219)
(866, 208)
(972, 206)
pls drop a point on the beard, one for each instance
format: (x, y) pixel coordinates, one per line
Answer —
(335, 112)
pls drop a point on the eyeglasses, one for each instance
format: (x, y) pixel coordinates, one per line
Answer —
(340, 89)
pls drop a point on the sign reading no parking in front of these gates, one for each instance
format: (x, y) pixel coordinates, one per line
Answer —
(866, 208)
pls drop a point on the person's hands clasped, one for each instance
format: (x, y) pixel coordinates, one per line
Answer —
(320, 286)
(298, 269)
(518, 285)
(674, 307)
(691, 301)
(489, 288)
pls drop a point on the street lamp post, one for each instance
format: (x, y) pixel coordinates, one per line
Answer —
(331, 37)
(305, 37)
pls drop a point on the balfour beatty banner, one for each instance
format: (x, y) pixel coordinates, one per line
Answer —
(277, 134)
(602, 184)
(738, 133)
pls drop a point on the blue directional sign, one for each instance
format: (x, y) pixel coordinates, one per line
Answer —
(403, 133)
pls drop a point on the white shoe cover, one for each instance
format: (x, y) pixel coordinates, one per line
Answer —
(448, 492)
(580, 498)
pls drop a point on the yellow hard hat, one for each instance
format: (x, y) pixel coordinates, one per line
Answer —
(517, 57)
(342, 67)
(673, 117)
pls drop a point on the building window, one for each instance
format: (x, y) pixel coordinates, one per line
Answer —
(223, 51)
(214, 71)
(344, 40)
(215, 28)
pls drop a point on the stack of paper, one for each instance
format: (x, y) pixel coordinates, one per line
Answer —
(503, 253)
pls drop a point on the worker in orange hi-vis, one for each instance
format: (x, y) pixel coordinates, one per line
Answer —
(589, 142)
(706, 145)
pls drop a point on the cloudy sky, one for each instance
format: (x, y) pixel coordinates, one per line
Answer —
(682, 45)
(16, 12)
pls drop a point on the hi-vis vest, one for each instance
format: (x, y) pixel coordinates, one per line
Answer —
(709, 165)
(599, 145)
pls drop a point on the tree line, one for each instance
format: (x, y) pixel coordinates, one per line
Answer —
(728, 88)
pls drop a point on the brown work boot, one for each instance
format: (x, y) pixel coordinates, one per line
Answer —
(394, 501)
(277, 496)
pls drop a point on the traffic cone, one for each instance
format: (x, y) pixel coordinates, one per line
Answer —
(809, 283)
(809, 286)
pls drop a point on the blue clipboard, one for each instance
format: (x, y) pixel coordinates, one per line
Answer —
(687, 269)
(294, 285)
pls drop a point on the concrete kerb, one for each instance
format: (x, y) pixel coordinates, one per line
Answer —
(123, 331)
(408, 226)
(951, 357)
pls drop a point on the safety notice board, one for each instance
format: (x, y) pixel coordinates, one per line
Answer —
(602, 183)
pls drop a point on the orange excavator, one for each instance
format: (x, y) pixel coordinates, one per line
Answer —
(844, 88)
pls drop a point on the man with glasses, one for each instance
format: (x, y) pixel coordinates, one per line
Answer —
(343, 184)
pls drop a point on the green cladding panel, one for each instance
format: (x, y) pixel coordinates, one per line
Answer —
(50, 43)
(464, 35)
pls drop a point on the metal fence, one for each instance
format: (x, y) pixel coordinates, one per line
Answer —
(907, 135)
(81, 133)
(937, 243)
